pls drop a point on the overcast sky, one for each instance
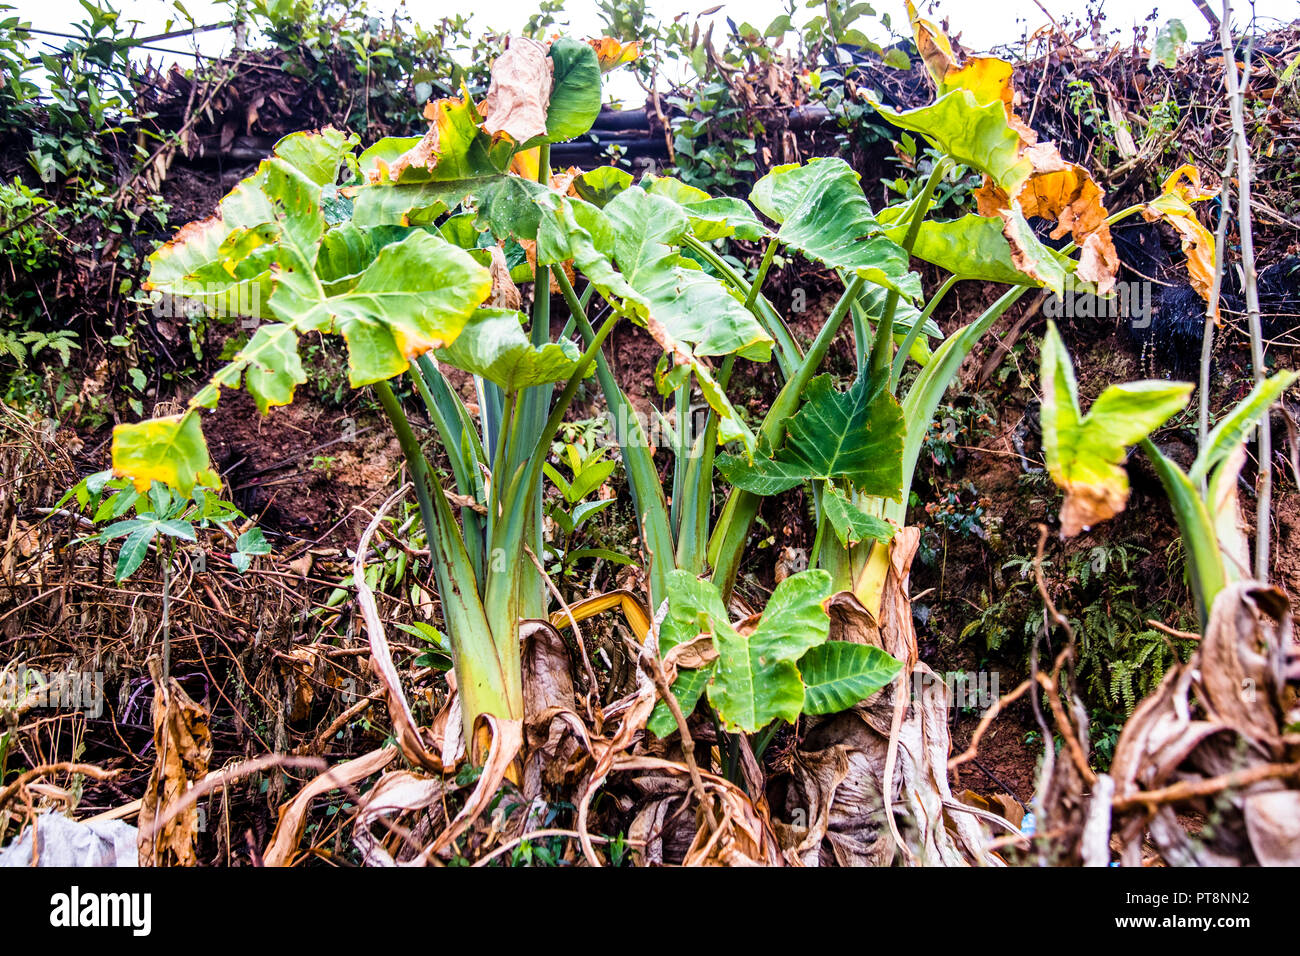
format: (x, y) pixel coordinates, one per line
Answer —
(980, 25)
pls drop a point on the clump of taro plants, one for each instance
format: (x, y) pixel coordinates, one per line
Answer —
(410, 250)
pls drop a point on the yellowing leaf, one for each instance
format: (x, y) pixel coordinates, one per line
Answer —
(933, 44)
(1173, 205)
(1085, 453)
(612, 54)
(170, 450)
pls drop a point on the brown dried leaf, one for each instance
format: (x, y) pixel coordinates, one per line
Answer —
(520, 91)
(182, 747)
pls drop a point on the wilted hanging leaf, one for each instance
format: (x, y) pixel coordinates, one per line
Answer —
(519, 92)
(1173, 205)
(1085, 453)
(170, 450)
(974, 121)
(612, 54)
(182, 748)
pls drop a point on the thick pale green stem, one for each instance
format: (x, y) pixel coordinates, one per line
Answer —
(638, 463)
(489, 682)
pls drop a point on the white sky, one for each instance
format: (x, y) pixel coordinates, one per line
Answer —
(980, 25)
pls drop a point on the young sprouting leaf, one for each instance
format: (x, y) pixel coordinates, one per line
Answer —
(170, 450)
(566, 491)
(839, 674)
(133, 552)
(850, 523)
(854, 436)
(590, 476)
(494, 345)
(756, 678)
(587, 510)
(1085, 453)
(1231, 430)
(824, 214)
(253, 541)
(116, 504)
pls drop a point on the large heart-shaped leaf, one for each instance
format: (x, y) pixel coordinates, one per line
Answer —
(854, 437)
(575, 90)
(1085, 453)
(824, 214)
(692, 306)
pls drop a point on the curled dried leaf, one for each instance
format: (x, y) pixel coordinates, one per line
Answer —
(1173, 205)
(520, 91)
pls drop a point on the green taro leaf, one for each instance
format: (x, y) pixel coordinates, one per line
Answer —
(824, 214)
(854, 436)
(709, 218)
(598, 186)
(318, 155)
(837, 675)
(756, 678)
(974, 135)
(494, 345)
(575, 90)
(417, 295)
(691, 305)
(1085, 453)
(693, 608)
(850, 523)
(972, 247)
